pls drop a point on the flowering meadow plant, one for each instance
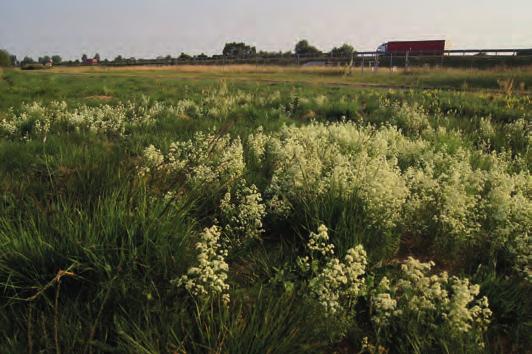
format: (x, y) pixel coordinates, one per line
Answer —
(431, 306)
(209, 276)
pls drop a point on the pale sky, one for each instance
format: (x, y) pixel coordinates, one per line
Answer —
(148, 28)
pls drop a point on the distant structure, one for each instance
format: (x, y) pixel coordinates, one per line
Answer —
(434, 47)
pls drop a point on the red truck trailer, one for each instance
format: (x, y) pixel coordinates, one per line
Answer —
(435, 47)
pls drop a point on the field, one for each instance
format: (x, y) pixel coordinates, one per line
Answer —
(254, 209)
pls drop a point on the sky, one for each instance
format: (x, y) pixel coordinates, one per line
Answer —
(148, 28)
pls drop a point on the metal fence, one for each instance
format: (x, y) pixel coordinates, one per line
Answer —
(463, 58)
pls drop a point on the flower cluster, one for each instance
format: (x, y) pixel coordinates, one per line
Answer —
(256, 144)
(340, 158)
(420, 299)
(209, 276)
(337, 284)
(318, 243)
(38, 119)
(205, 159)
(241, 214)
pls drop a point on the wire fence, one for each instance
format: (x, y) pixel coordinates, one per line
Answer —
(470, 58)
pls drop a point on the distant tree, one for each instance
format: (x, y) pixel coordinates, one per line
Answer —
(27, 60)
(118, 59)
(304, 48)
(5, 59)
(239, 50)
(184, 56)
(344, 51)
(97, 57)
(56, 59)
(14, 61)
(168, 57)
(202, 56)
(84, 58)
(44, 60)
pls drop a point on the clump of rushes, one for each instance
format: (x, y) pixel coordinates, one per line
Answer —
(208, 278)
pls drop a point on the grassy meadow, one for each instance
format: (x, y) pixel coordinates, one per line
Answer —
(252, 209)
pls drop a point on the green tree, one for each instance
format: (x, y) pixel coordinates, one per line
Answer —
(304, 48)
(44, 60)
(5, 59)
(97, 57)
(344, 51)
(238, 50)
(84, 58)
(27, 60)
(184, 56)
(56, 59)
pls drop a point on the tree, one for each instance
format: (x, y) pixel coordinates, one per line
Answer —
(27, 60)
(56, 59)
(184, 56)
(97, 57)
(44, 60)
(84, 58)
(5, 60)
(14, 61)
(239, 50)
(304, 48)
(344, 51)
(118, 59)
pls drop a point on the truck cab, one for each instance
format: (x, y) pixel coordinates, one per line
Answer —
(382, 48)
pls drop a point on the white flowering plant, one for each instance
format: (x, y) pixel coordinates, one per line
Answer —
(208, 278)
(241, 214)
(334, 284)
(437, 310)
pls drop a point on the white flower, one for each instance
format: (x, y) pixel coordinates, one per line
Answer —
(209, 276)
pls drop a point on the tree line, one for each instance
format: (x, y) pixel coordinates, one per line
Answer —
(232, 50)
